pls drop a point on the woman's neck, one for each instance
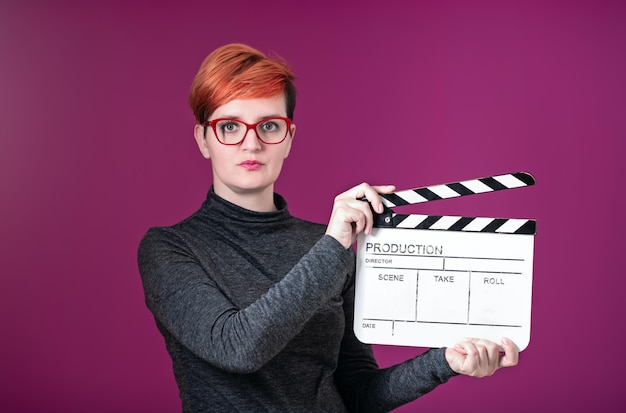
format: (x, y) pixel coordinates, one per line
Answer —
(258, 199)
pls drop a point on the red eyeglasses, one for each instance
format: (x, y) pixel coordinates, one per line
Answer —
(270, 131)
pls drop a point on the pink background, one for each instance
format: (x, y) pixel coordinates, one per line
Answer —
(96, 146)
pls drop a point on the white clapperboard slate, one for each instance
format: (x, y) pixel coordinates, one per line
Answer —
(431, 281)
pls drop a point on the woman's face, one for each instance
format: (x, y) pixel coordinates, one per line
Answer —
(251, 167)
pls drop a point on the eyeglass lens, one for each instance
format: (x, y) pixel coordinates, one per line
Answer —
(230, 131)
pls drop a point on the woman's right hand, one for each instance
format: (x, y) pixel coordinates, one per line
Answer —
(351, 215)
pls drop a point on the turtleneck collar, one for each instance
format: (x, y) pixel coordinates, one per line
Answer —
(216, 205)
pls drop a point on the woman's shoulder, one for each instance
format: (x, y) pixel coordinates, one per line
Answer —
(313, 228)
(170, 234)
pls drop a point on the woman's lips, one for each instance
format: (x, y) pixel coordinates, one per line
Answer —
(251, 165)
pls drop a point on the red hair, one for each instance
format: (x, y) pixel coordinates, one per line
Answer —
(237, 71)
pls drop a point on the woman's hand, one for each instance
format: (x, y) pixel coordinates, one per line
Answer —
(350, 215)
(479, 358)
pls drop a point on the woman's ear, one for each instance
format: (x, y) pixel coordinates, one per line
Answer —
(198, 133)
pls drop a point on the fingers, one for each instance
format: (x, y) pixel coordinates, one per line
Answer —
(510, 357)
(371, 193)
(351, 215)
(354, 212)
(480, 358)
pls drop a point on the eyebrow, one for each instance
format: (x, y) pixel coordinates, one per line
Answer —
(258, 119)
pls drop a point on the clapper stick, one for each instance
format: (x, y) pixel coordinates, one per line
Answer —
(456, 189)
(389, 219)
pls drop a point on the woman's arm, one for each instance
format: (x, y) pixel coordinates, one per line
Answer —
(194, 309)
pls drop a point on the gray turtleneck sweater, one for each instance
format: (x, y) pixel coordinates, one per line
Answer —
(257, 309)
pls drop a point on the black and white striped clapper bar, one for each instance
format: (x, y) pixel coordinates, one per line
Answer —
(390, 219)
(433, 280)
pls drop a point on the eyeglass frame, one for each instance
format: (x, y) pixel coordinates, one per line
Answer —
(249, 126)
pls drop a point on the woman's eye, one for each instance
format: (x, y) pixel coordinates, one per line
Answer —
(229, 126)
(269, 126)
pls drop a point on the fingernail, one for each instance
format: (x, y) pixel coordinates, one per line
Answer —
(505, 340)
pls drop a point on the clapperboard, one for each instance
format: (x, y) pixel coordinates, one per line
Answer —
(431, 281)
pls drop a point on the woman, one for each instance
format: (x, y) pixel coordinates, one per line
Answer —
(255, 305)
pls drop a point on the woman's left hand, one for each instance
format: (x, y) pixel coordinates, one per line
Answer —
(351, 215)
(480, 358)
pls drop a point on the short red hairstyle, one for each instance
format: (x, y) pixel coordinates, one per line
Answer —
(237, 71)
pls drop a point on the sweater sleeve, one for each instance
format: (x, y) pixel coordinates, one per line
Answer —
(366, 388)
(193, 309)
